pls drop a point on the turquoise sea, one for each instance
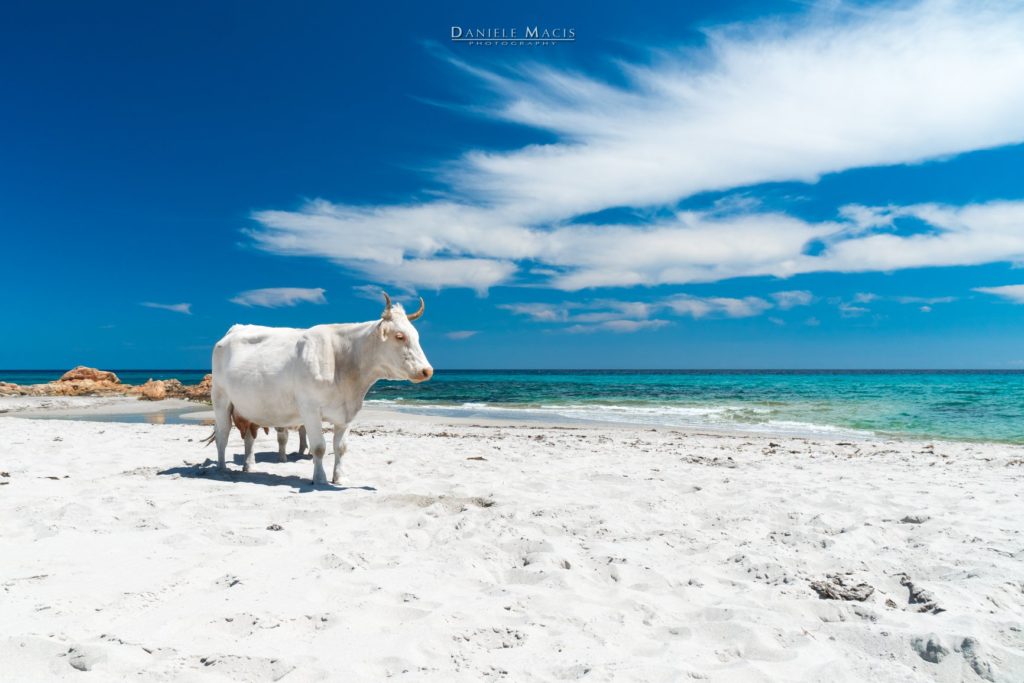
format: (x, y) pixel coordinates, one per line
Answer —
(969, 405)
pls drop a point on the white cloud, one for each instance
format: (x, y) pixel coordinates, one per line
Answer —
(599, 315)
(619, 326)
(275, 297)
(958, 236)
(612, 315)
(1014, 293)
(471, 273)
(926, 300)
(848, 310)
(792, 298)
(812, 322)
(690, 247)
(782, 100)
(459, 335)
(766, 101)
(434, 245)
(545, 313)
(177, 308)
(856, 308)
(700, 307)
(614, 310)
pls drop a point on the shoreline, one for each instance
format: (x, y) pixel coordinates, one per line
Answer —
(127, 409)
(973, 410)
(179, 411)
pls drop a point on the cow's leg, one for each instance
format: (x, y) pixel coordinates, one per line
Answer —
(302, 440)
(340, 446)
(317, 445)
(250, 460)
(222, 424)
(282, 444)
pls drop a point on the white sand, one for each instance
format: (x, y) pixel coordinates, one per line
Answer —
(594, 554)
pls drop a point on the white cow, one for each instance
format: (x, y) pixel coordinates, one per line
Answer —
(286, 376)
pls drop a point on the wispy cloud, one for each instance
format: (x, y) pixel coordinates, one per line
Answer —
(1014, 293)
(459, 335)
(599, 315)
(780, 100)
(858, 306)
(767, 101)
(276, 297)
(926, 300)
(538, 312)
(618, 326)
(613, 315)
(792, 298)
(177, 308)
(848, 310)
(700, 307)
(691, 247)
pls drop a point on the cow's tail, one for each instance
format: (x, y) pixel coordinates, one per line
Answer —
(213, 436)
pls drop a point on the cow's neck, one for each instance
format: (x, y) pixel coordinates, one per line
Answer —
(363, 370)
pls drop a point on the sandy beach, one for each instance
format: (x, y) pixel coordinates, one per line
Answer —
(500, 551)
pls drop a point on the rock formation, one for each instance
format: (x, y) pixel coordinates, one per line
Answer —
(84, 381)
(81, 372)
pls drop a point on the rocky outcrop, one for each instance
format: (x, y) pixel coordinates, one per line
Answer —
(156, 390)
(84, 381)
(153, 390)
(82, 372)
(201, 391)
(83, 387)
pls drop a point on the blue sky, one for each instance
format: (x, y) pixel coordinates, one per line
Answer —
(716, 185)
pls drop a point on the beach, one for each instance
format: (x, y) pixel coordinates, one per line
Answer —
(485, 550)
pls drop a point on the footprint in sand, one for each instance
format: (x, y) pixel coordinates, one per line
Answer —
(494, 638)
(233, 667)
(332, 561)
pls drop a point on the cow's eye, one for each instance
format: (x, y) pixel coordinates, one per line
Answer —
(399, 336)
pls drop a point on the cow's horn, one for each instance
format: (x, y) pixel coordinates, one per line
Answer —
(387, 306)
(418, 313)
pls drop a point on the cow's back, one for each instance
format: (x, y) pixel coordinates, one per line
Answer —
(258, 369)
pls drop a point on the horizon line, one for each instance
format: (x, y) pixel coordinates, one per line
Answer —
(553, 369)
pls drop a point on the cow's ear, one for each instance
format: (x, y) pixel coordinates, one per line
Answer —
(382, 328)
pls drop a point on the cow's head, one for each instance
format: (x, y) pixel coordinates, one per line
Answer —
(401, 356)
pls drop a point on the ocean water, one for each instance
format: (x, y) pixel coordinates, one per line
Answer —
(962, 405)
(126, 376)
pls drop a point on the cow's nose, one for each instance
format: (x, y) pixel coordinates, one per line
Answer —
(427, 372)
